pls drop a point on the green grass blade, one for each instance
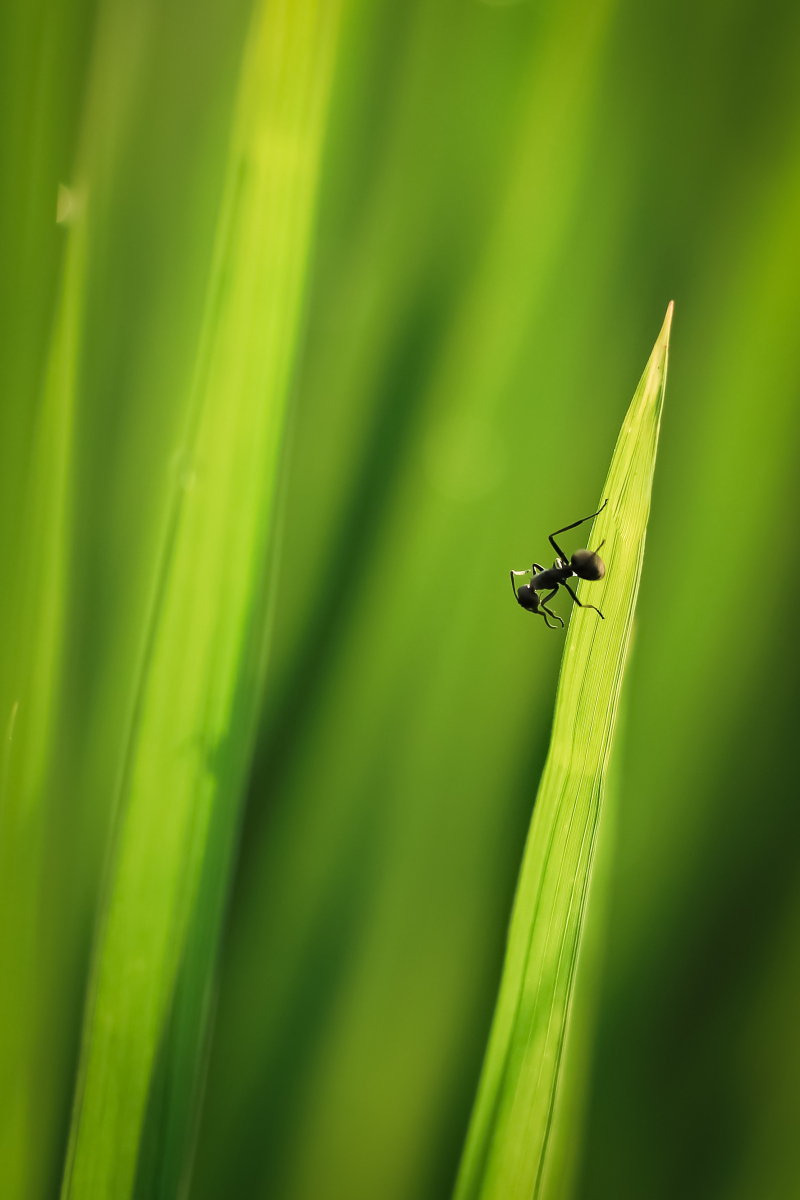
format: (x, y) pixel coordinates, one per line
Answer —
(507, 1144)
(28, 1071)
(569, 1120)
(201, 675)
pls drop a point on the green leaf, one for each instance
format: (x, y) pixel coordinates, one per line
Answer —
(201, 672)
(29, 713)
(506, 1152)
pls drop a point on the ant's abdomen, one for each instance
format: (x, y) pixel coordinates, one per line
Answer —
(587, 564)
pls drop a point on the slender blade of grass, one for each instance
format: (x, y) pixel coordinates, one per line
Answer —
(30, 711)
(507, 1143)
(202, 669)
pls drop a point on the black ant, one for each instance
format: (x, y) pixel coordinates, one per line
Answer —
(585, 564)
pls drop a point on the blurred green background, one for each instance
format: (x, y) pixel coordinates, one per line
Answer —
(511, 194)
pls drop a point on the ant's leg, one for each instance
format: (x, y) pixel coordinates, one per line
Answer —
(538, 567)
(574, 525)
(555, 616)
(577, 601)
(543, 604)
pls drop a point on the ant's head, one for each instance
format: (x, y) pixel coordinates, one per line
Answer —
(528, 598)
(587, 564)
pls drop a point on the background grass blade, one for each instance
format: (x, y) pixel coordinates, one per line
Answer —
(42, 60)
(508, 1138)
(28, 1074)
(202, 668)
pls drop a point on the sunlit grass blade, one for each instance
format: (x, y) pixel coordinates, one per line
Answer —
(569, 1124)
(507, 1144)
(201, 673)
(28, 1074)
